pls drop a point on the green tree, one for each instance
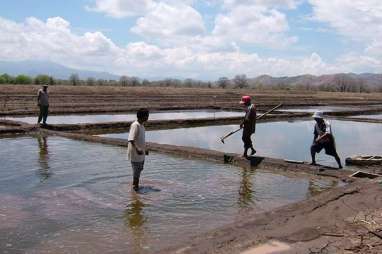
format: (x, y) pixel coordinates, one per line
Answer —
(223, 82)
(90, 81)
(23, 80)
(8, 79)
(241, 81)
(74, 79)
(2, 80)
(124, 81)
(51, 81)
(42, 79)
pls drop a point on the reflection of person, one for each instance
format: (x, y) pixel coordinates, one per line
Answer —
(43, 103)
(248, 124)
(245, 192)
(136, 148)
(323, 139)
(43, 157)
(134, 219)
(134, 214)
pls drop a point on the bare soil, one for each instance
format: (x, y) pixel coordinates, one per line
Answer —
(21, 99)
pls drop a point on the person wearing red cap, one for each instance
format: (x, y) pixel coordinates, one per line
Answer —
(248, 124)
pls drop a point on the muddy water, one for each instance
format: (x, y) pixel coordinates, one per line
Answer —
(64, 196)
(286, 140)
(163, 115)
(376, 116)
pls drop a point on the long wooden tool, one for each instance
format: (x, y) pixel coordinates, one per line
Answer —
(257, 118)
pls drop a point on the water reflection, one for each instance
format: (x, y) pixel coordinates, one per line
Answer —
(286, 140)
(43, 159)
(134, 219)
(245, 192)
(86, 203)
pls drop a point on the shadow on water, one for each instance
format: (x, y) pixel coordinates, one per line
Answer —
(147, 190)
(44, 170)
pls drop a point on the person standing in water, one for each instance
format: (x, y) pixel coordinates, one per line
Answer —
(248, 124)
(43, 104)
(323, 139)
(137, 145)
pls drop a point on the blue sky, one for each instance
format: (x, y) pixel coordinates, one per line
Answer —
(194, 38)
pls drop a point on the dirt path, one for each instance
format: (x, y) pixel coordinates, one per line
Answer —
(344, 220)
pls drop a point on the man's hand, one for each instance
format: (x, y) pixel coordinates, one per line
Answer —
(139, 152)
(241, 125)
(147, 152)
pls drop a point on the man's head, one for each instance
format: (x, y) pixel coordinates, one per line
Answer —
(245, 100)
(143, 115)
(318, 116)
(45, 87)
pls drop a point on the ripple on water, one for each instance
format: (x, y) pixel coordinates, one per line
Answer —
(77, 196)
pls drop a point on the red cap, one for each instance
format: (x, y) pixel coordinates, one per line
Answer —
(245, 99)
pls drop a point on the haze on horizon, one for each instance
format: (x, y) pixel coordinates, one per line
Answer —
(196, 39)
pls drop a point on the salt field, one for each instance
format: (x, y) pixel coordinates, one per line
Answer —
(63, 196)
(286, 140)
(99, 118)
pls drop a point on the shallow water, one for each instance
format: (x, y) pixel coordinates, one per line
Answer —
(64, 196)
(321, 108)
(286, 140)
(99, 118)
(376, 116)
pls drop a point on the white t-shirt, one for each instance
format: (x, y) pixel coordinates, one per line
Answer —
(43, 97)
(136, 134)
(320, 132)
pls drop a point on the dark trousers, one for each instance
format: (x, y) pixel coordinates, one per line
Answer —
(137, 169)
(247, 133)
(43, 114)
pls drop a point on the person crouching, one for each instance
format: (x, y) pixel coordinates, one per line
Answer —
(323, 139)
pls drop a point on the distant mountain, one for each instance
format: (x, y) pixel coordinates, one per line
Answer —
(34, 68)
(350, 79)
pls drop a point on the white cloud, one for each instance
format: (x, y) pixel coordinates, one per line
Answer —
(360, 21)
(53, 40)
(356, 19)
(122, 8)
(167, 21)
(290, 4)
(254, 24)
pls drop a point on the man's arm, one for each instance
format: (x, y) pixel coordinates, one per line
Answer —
(135, 147)
(38, 98)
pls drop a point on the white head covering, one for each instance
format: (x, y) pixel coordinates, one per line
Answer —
(318, 114)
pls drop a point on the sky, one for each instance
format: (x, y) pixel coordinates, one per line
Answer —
(196, 39)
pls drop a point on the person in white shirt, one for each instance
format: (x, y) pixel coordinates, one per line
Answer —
(43, 104)
(137, 146)
(323, 139)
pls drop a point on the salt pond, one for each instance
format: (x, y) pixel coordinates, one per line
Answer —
(376, 116)
(324, 108)
(63, 196)
(286, 140)
(162, 115)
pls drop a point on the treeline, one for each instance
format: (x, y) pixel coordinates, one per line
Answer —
(337, 84)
